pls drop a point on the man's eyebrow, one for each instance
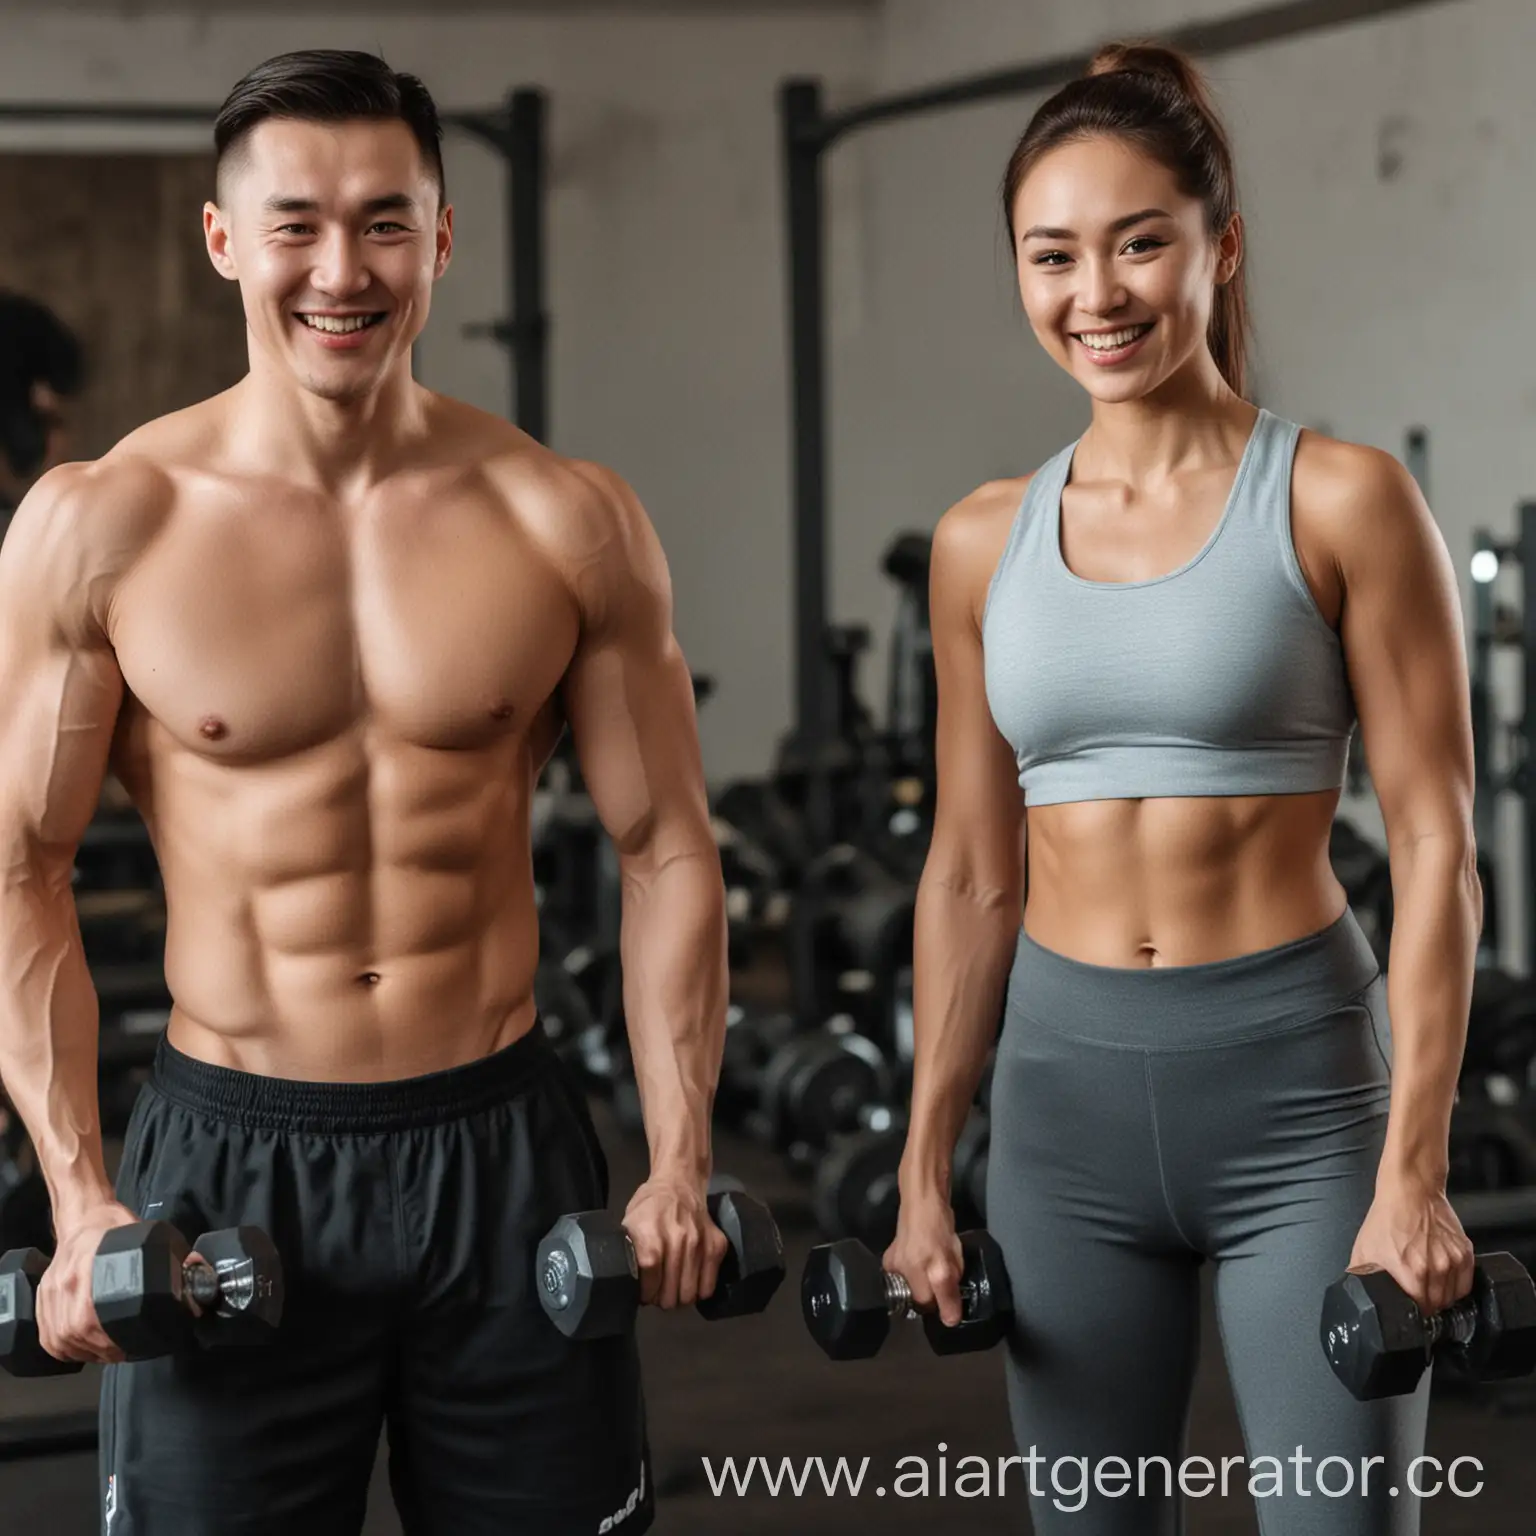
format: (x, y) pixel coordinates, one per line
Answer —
(391, 201)
(1050, 232)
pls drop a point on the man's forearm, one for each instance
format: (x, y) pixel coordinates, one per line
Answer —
(49, 1019)
(963, 944)
(1436, 922)
(676, 988)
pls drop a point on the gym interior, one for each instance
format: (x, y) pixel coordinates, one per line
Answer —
(748, 254)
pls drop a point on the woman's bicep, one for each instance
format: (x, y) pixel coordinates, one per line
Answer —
(978, 821)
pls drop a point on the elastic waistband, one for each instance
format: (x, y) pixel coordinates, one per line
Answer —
(339, 1109)
(1181, 1006)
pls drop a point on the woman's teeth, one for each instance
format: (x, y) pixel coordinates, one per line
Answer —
(339, 325)
(1114, 340)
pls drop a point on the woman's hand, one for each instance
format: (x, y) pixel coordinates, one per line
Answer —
(926, 1253)
(1411, 1232)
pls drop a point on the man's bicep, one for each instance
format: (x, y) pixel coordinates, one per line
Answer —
(629, 693)
(631, 713)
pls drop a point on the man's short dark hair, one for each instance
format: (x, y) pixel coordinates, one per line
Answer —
(329, 85)
(36, 347)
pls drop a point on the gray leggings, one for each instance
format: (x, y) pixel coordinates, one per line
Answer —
(1144, 1121)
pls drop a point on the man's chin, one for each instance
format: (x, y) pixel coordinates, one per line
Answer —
(341, 391)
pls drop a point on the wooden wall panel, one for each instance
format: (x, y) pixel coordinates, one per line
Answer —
(114, 244)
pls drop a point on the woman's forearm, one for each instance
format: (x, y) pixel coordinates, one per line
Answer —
(1437, 918)
(963, 946)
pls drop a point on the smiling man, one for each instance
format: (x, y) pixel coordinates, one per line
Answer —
(326, 628)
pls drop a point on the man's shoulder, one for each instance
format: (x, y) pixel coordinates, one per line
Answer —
(77, 532)
(564, 503)
(98, 504)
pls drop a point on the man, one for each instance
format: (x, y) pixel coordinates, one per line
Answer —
(41, 365)
(325, 627)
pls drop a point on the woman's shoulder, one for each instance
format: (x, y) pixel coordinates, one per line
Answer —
(971, 536)
(1343, 493)
(978, 515)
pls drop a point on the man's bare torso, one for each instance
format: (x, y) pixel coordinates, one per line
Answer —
(335, 707)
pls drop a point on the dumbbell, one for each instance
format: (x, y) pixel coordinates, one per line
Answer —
(1379, 1343)
(815, 1084)
(143, 1283)
(849, 1301)
(589, 1281)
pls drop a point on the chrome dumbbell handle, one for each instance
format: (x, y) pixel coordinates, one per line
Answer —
(1455, 1325)
(898, 1296)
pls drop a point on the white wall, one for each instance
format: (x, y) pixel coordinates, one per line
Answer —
(664, 258)
(1386, 172)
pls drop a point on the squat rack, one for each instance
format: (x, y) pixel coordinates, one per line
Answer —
(807, 130)
(515, 130)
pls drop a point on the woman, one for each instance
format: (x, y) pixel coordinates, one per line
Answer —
(1165, 636)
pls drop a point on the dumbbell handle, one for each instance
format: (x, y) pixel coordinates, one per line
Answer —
(898, 1295)
(228, 1287)
(1455, 1325)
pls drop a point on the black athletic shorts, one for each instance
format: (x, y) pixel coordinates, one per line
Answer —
(407, 1215)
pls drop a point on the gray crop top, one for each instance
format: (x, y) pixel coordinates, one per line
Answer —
(1220, 678)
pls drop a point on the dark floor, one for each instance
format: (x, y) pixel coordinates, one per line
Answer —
(758, 1387)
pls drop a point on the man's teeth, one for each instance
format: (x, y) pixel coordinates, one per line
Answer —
(338, 325)
(1114, 340)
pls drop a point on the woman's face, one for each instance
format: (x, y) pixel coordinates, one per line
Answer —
(1116, 271)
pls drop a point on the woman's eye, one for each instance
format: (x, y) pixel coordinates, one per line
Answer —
(1044, 258)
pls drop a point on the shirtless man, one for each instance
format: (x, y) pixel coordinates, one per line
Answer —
(325, 627)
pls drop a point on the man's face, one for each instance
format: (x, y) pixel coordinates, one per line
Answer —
(334, 234)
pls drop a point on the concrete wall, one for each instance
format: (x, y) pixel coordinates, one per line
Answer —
(665, 257)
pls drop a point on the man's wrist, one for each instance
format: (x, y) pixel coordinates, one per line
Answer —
(73, 1207)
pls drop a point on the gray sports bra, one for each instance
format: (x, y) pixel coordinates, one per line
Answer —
(1220, 678)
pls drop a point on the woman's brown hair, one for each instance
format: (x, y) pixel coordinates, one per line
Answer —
(1155, 99)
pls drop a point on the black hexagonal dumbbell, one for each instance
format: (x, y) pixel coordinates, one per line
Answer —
(143, 1284)
(1379, 1343)
(589, 1283)
(21, 1351)
(849, 1301)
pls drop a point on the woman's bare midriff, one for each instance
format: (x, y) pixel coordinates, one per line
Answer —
(1187, 881)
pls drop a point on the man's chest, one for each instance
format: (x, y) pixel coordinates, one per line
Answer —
(251, 637)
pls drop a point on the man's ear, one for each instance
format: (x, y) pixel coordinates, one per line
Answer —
(216, 239)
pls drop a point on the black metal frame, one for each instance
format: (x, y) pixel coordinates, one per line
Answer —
(807, 132)
(515, 131)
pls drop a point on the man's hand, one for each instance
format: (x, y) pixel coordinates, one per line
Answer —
(67, 1325)
(677, 1246)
